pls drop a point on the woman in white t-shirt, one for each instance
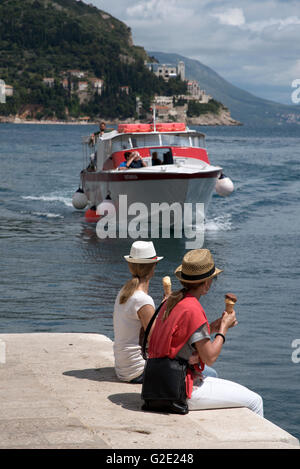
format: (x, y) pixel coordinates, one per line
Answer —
(133, 309)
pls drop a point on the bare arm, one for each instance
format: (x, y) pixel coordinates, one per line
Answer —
(145, 313)
(129, 161)
(209, 351)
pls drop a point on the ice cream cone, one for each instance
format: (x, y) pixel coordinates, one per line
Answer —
(167, 285)
(230, 300)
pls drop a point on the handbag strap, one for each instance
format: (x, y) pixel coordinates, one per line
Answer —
(148, 330)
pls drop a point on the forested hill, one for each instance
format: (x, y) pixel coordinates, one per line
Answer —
(42, 39)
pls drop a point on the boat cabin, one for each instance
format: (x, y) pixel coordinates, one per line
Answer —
(165, 143)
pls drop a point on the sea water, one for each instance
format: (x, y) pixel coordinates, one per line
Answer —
(57, 276)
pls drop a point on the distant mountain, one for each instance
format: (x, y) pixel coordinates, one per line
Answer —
(244, 106)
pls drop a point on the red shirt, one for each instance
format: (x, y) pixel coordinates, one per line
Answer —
(169, 336)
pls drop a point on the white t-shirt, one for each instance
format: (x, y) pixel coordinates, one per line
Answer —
(129, 363)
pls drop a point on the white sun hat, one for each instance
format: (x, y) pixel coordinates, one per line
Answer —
(142, 252)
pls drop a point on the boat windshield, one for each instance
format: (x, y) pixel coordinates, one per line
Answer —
(120, 143)
(176, 140)
(143, 140)
(125, 142)
(182, 140)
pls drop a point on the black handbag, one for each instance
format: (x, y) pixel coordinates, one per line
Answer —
(163, 387)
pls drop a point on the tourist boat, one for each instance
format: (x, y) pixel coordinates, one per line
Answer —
(185, 174)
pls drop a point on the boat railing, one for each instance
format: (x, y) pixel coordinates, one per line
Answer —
(88, 149)
(86, 139)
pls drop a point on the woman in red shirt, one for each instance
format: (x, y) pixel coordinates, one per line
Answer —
(182, 330)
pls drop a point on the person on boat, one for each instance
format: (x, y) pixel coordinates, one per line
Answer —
(133, 310)
(99, 133)
(133, 160)
(92, 165)
(168, 157)
(155, 160)
(124, 163)
(182, 329)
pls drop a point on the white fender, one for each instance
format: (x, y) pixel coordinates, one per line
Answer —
(79, 200)
(224, 186)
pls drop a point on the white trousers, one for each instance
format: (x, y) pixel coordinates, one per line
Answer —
(216, 393)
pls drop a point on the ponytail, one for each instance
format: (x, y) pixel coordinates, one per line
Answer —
(129, 289)
(138, 271)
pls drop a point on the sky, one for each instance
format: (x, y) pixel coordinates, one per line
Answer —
(253, 44)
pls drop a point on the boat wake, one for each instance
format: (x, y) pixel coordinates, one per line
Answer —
(67, 201)
(219, 223)
(47, 215)
(42, 214)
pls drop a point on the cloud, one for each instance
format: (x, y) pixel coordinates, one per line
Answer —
(277, 23)
(236, 17)
(158, 10)
(231, 17)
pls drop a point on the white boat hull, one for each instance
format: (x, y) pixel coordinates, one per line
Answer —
(150, 187)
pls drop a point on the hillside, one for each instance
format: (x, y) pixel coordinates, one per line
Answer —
(244, 106)
(53, 52)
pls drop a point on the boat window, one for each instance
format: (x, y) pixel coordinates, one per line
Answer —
(175, 140)
(145, 141)
(198, 141)
(121, 143)
(161, 156)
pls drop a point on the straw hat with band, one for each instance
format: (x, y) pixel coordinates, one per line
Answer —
(142, 252)
(197, 266)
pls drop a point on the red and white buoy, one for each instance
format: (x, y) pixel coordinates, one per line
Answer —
(91, 215)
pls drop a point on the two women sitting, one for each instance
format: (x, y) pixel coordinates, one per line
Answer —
(181, 329)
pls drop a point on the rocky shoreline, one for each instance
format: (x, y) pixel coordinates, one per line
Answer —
(209, 119)
(223, 118)
(18, 120)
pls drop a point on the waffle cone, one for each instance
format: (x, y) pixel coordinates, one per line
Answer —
(230, 300)
(167, 284)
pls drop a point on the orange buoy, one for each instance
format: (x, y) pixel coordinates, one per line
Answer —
(91, 215)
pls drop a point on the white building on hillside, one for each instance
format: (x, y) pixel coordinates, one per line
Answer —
(9, 90)
(97, 84)
(49, 81)
(167, 71)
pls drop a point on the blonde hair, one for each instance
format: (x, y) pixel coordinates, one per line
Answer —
(138, 271)
(177, 296)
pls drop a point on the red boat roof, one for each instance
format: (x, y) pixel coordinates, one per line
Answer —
(159, 127)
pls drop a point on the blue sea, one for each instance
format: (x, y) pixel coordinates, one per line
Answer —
(57, 276)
